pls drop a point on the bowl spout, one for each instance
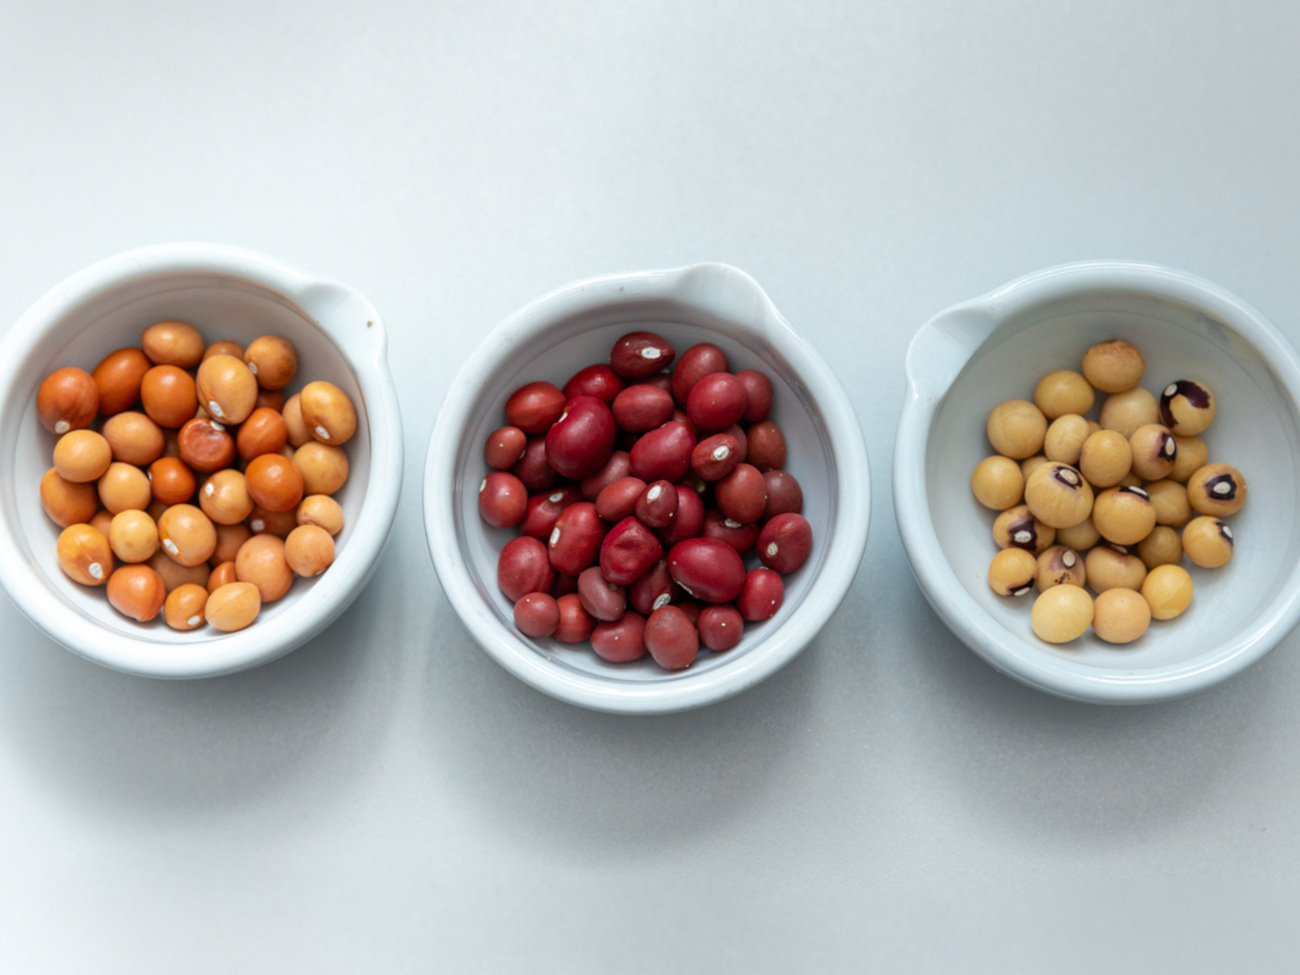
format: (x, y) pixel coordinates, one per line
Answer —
(943, 346)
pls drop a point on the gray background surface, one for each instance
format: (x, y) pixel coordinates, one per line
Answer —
(387, 798)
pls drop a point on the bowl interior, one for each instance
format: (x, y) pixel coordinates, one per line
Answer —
(1257, 429)
(580, 340)
(220, 306)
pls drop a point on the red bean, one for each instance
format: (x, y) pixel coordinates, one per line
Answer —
(691, 608)
(618, 500)
(628, 551)
(504, 448)
(544, 510)
(652, 589)
(533, 469)
(533, 407)
(603, 600)
(708, 569)
(564, 584)
(523, 567)
(663, 380)
(762, 596)
(766, 446)
(681, 416)
(582, 439)
(575, 540)
(714, 457)
(740, 537)
(621, 641)
(716, 402)
(537, 615)
(671, 639)
(696, 362)
(618, 465)
(720, 627)
(784, 495)
(576, 623)
(502, 499)
(663, 454)
(657, 505)
(689, 518)
(758, 395)
(742, 438)
(640, 354)
(742, 495)
(785, 542)
(598, 380)
(643, 407)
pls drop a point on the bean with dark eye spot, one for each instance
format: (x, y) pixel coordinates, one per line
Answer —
(1217, 489)
(1018, 528)
(597, 380)
(657, 505)
(604, 600)
(1187, 407)
(689, 519)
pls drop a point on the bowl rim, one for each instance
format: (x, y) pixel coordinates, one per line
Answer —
(847, 545)
(1006, 652)
(353, 327)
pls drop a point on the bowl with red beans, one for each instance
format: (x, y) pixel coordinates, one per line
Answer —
(114, 328)
(646, 493)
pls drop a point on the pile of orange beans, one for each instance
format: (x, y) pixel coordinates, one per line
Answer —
(187, 482)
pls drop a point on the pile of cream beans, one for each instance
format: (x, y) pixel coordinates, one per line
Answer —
(1110, 505)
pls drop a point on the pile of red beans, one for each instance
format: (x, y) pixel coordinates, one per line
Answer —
(638, 493)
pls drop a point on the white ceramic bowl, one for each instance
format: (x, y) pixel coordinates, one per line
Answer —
(971, 357)
(227, 293)
(552, 338)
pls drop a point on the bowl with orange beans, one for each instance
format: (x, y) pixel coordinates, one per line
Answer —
(1160, 395)
(205, 454)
